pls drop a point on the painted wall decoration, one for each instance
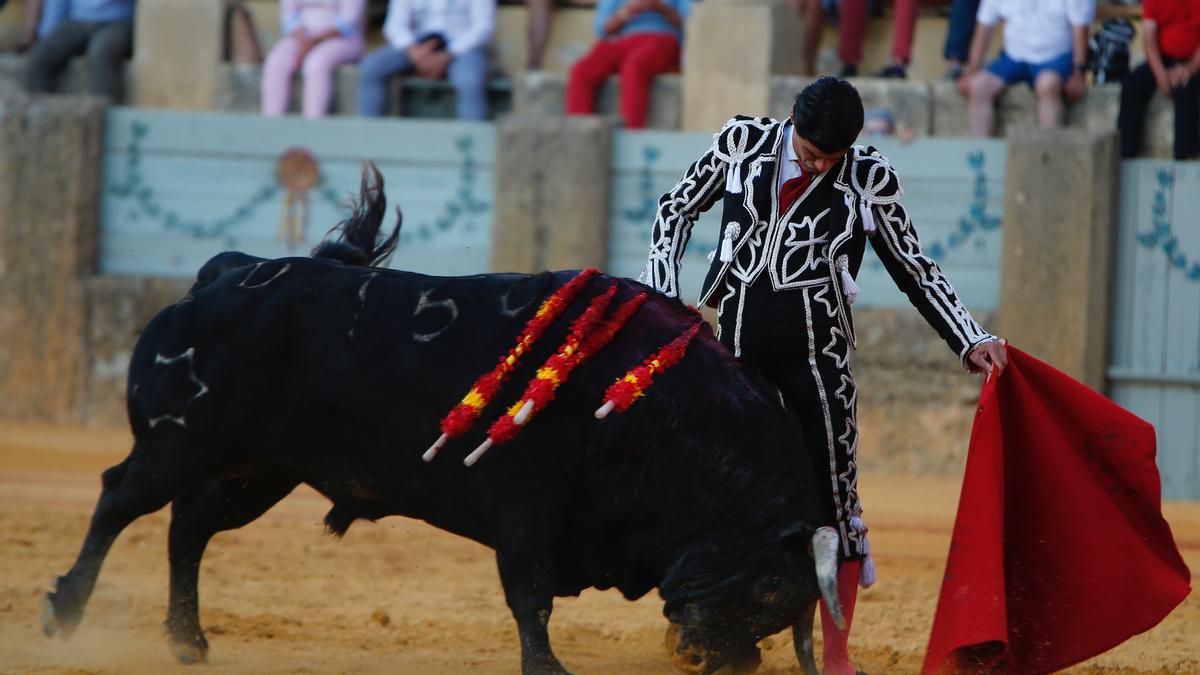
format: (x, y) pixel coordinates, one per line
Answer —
(1155, 370)
(954, 193)
(182, 186)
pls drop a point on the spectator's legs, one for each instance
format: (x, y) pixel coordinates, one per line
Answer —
(961, 30)
(903, 29)
(1137, 89)
(373, 74)
(277, 73)
(52, 53)
(469, 75)
(1048, 85)
(813, 27)
(985, 88)
(589, 73)
(649, 56)
(319, 68)
(539, 31)
(107, 52)
(1187, 119)
(853, 29)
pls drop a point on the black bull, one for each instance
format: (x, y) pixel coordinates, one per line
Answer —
(329, 372)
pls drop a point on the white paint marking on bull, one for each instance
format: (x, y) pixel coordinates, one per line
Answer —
(281, 272)
(424, 303)
(202, 388)
(511, 312)
(362, 302)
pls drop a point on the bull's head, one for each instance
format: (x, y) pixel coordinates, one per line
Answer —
(716, 623)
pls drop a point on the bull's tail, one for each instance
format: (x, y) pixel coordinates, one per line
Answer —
(358, 238)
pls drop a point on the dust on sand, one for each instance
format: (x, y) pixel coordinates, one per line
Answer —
(399, 596)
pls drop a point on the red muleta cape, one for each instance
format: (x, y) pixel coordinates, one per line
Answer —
(1060, 551)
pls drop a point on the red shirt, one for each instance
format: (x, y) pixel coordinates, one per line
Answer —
(1178, 26)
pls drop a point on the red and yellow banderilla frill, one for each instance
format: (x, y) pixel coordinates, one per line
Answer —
(463, 415)
(622, 393)
(588, 335)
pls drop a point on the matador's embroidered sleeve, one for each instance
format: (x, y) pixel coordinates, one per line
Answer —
(895, 241)
(701, 187)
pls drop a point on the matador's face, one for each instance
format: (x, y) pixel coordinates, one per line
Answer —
(812, 158)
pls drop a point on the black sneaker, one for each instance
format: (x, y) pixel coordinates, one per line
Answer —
(894, 71)
(848, 70)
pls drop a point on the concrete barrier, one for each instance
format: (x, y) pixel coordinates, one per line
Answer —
(545, 93)
(50, 150)
(552, 193)
(1060, 212)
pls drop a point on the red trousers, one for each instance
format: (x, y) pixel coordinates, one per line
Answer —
(854, 28)
(637, 59)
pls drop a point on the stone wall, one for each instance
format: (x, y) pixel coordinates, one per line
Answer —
(50, 151)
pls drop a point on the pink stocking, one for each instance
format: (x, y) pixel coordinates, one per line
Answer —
(837, 654)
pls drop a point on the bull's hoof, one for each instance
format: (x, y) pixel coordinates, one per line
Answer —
(57, 619)
(189, 651)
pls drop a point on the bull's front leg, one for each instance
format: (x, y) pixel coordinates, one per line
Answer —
(528, 580)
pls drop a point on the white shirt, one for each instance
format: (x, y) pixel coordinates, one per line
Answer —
(789, 163)
(1036, 31)
(466, 24)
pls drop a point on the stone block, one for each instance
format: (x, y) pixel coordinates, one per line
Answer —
(179, 44)
(552, 193)
(911, 103)
(1056, 271)
(1016, 107)
(761, 37)
(119, 308)
(545, 93)
(50, 158)
(1098, 112)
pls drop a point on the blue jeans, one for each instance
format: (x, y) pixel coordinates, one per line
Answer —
(961, 30)
(468, 74)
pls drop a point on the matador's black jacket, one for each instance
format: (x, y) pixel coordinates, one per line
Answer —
(863, 203)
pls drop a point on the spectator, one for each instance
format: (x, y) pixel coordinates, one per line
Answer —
(1045, 46)
(639, 40)
(1171, 34)
(433, 38)
(852, 24)
(538, 31)
(958, 36)
(40, 19)
(319, 36)
(103, 29)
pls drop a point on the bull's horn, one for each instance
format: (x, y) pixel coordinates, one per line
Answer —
(523, 414)
(825, 555)
(603, 411)
(433, 449)
(478, 452)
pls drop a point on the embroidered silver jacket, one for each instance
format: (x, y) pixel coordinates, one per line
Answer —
(740, 169)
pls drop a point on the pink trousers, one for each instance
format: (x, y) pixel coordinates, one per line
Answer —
(318, 69)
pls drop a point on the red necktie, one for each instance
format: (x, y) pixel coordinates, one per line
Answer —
(792, 189)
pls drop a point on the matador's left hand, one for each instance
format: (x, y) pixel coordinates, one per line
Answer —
(989, 356)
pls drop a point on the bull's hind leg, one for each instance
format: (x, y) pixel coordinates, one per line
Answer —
(129, 491)
(529, 589)
(196, 516)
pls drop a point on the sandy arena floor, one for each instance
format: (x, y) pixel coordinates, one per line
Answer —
(398, 596)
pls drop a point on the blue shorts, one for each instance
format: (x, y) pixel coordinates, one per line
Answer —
(1012, 71)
